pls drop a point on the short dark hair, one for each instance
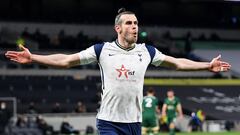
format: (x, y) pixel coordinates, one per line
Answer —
(170, 90)
(151, 90)
(121, 11)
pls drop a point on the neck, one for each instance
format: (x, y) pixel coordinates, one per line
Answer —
(124, 43)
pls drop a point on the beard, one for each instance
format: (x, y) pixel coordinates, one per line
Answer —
(131, 39)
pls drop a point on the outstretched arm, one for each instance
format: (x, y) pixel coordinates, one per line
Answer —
(55, 60)
(216, 65)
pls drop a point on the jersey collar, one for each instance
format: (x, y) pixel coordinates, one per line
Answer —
(126, 49)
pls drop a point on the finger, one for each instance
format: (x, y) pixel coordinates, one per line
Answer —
(11, 52)
(226, 66)
(14, 60)
(224, 63)
(11, 55)
(225, 69)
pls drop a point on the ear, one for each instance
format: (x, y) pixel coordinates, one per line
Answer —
(117, 28)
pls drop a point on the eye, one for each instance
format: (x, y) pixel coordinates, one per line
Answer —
(128, 22)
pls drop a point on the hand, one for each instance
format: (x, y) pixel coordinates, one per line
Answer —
(163, 115)
(180, 117)
(22, 57)
(216, 65)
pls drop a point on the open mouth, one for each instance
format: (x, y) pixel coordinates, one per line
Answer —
(135, 34)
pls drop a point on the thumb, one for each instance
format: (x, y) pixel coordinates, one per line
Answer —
(21, 47)
(218, 57)
(215, 59)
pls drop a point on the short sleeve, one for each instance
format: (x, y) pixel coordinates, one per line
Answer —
(158, 58)
(87, 56)
(157, 102)
(165, 101)
(178, 101)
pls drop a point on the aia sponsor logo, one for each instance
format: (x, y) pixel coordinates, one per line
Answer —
(124, 72)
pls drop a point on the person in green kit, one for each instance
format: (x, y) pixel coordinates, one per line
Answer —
(171, 109)
(150, 113)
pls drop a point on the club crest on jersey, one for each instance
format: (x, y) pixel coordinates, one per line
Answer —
(124, 72)
(140, 57)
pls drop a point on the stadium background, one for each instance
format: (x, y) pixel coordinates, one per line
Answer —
(194, 29)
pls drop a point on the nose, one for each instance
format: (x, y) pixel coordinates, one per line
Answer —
(134, 26)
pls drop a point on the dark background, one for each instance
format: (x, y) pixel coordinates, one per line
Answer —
(177, 13)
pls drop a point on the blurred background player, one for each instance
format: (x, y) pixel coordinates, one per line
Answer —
(171, 108)
(150, 113)
(196, 121)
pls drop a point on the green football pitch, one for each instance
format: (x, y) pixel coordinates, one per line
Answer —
(205, 133)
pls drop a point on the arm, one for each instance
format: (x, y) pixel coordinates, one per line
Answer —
(164, 109)
(216, 65)
(158, 110)
(179, 109)
(55, 60)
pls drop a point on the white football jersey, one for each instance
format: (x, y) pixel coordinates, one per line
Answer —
(122, 74)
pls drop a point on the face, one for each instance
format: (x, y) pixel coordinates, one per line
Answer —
(128, 29)
(170, 94)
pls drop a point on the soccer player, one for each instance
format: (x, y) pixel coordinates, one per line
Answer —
(123, 64)
(171, 108)
(150, 113)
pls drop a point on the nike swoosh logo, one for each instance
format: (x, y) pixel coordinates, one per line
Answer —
(110, 54)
